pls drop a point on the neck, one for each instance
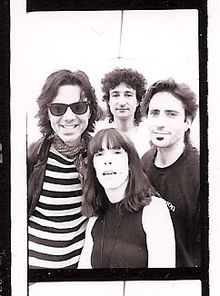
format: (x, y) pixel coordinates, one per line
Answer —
(75, 144)
(168, 155)
(116, 194)
(125, 126)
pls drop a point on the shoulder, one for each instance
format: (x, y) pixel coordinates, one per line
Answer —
(191, 160)
(156, 209)
(148, 156)
(91, 223)
(157, 203)
(191, 151)
(38, 149)
(34, 148)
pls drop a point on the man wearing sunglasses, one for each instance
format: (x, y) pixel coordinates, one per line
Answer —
(56, 167)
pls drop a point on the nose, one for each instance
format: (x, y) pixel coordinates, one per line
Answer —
(69, 114)
(161, 121)
(122, 100)
(107, 162)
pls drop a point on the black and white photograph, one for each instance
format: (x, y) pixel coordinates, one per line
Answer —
(109, 150)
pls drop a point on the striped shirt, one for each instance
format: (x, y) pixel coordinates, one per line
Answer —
(57, 228)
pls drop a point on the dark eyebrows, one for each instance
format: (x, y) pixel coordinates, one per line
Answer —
(172, 111)
(114, 91)
(127, 92)
(153, 109)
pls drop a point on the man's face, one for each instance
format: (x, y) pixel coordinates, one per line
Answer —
(166, 120)
(123, 101)
(69, 126)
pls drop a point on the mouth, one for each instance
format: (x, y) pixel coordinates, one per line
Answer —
(160, 135)
(69, 126)
(122, 109)
(109, 173)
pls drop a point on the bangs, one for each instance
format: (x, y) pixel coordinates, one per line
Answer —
(109, 137)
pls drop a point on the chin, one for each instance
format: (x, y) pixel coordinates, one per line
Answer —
(68, 142)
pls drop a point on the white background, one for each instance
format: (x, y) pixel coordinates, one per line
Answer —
(158, 44)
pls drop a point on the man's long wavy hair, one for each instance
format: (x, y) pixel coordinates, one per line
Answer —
(139, 190)
(50, 91)
(133, 79)
(181, 91)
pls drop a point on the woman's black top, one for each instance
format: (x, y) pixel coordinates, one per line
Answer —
(119, 240)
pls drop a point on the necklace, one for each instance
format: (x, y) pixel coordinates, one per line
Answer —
(114, 239)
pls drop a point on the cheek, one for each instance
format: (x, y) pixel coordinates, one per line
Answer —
(110, 104)
(97, 165)
(53, 120)
(136, 103)
(123, 165)
(84, 119)
(150, 124)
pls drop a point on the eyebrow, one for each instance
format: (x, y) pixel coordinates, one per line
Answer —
(127, 91)
(173, 111)
(166, 110)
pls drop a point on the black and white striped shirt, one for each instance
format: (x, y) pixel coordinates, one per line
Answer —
(56, 227)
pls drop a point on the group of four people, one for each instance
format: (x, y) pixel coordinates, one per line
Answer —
(93, 203)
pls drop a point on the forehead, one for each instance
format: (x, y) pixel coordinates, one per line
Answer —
(68, 94)
(123, 87)
(166, 101)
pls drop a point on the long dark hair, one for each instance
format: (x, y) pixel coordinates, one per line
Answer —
(50, 91)
(139, 190)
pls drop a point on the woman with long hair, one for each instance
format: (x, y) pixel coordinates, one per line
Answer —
(129, 225)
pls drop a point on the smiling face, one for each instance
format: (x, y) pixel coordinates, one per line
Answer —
(111, 166)
(123, 101)
(166, 120)
(69, 126)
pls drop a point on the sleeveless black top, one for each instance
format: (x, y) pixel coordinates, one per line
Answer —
(119, 240)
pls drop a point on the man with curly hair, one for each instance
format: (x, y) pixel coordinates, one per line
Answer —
(172, 164)
(123, 90)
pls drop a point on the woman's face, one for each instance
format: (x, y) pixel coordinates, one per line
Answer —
(69, 126)
(111, 166)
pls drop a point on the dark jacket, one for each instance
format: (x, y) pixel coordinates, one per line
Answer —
(36, 166)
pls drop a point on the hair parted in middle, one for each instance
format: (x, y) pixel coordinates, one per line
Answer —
(179, 90)
(139, 190)
(50, 90)
(133, 79)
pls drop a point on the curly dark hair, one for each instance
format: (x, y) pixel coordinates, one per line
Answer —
(130, 77)
(50, 91)
(139, 190)
(181, 91)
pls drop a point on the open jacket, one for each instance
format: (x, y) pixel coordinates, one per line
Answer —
(36, 166)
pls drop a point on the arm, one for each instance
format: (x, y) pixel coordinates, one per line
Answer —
(85, 257)
(160, 236)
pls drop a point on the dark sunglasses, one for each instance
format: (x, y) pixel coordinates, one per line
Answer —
(58, 109)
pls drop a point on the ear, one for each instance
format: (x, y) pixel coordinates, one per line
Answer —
(188, 123)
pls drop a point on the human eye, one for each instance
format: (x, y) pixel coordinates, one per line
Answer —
(171, 113)
(117, 151)
(129, 94)
(99, 153)
(154, 112)
(114, 95)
